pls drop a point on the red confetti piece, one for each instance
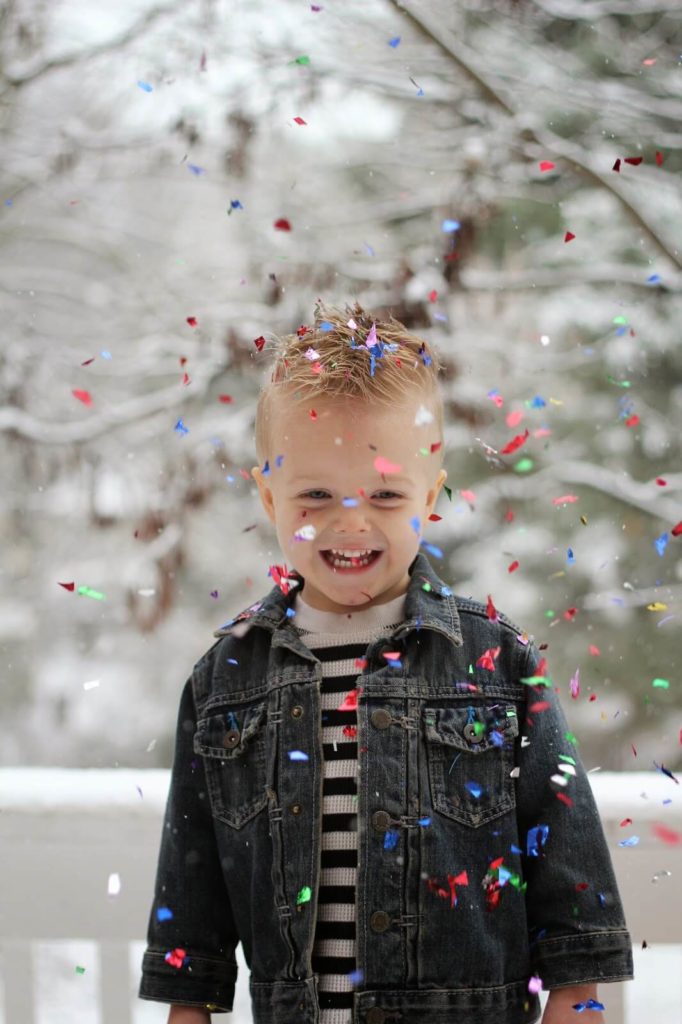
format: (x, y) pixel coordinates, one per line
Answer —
(546, 165)
(582, 886)
(634, 749)
(313, 416)
(569, 236)
(515, 443)
(183, 360)
(677, 529)
(659, 158)
(259, 343)
(565, 499)
(88, 361)
(594, 650)
(616, 166)
(350, 731)
(433, 295)
(282, 224)
(83, 396)
(68, 586)
(281, 577)
(564, 799)
(491, 611)
(509, 516)
(176, 957)
(625, 822)
(186, 379)
(634, 160)
(436, 446)
(433, 518)
(391, 655)
(539, 705)
(593, 696)
(667, 835)
(299, 120)
(513, 567)
(468, 496)
(487, 659)
(512, 419)
(225, 399)
(661, 482)
(350, 701)
(632, 421)
(361, 663)
(303, 330)
(192, 321)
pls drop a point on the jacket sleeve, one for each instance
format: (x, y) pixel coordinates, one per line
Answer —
(191, 910)
(575, 917)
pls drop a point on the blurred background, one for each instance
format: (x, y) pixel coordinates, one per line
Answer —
(182, 180)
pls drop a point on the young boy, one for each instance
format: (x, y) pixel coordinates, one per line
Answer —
(374, 788)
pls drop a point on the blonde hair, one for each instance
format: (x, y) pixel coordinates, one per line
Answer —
(332, 360)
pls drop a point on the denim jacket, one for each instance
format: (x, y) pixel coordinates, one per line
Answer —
(481, 857)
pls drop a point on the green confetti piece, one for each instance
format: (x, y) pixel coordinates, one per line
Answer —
(571, 738)
(565, 757)
(549, 614)
(426, 586)
(619, 320)
(80, 970)
(479, 728)
(89, 592)
(448, 491)
(662, 684)
(537, 681)
(619, 383)
(304, 895)
(303, 59)
(524, 466)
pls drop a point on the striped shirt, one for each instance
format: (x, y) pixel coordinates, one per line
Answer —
(338, 640)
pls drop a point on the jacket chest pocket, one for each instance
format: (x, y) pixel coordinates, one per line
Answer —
(231, 741)
(470, 753)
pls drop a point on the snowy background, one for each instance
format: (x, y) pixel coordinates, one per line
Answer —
(448, 153)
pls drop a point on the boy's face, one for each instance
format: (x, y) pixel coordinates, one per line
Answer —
(331, 458)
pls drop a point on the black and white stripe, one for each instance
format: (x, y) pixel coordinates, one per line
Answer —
(334, 951)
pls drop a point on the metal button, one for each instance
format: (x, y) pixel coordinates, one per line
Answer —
(231, 738)
(381, 820)
(376, 1015)
(381, 718)
(379, 921)
(471, 734)
(295, 808)
(296, 711)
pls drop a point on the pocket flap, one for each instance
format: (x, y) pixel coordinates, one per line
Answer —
(474, 729)
(227, 732)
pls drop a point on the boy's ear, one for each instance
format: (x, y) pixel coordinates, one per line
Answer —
(432, 496)
(265, 493)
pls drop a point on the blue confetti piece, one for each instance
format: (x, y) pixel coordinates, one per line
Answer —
(181, 428)
(266, 467)
(538, 402)
(291, 612)
(326, 326)
(474, 789)
(451, 225)
(416, 524)
(350, 502)
(235, 204)
(439, 316)
(515, 849)
(232, 721)
(195, 169)
(653, 279)
(632, 841)
(503, 874)
(497, 737)
(297, 755)
(232, 661)
(105, 354)
(145, 86)
(591, 1004)
(536, 839)
(432, 549)
(602, 899)
(356, 977)
(164, 914)
(369, 248)
(661, 543)
(394, 42)
(391, 839)
(424, 822)
(570, 557)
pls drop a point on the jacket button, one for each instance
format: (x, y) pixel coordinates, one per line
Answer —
(381, 718)
(376, 1015)
(296, 711)
(381, 820)
(231, 738)
(295, 808)
(471, 734)
(379, 922)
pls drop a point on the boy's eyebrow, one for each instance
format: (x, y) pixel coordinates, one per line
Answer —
(389, 478)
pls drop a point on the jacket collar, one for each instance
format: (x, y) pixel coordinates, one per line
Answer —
(429, 604)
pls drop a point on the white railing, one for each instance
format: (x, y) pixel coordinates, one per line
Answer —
(63, 832)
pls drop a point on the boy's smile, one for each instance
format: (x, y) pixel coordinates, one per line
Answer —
(350, 480)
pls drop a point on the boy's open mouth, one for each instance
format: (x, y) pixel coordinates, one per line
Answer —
(340, 563)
